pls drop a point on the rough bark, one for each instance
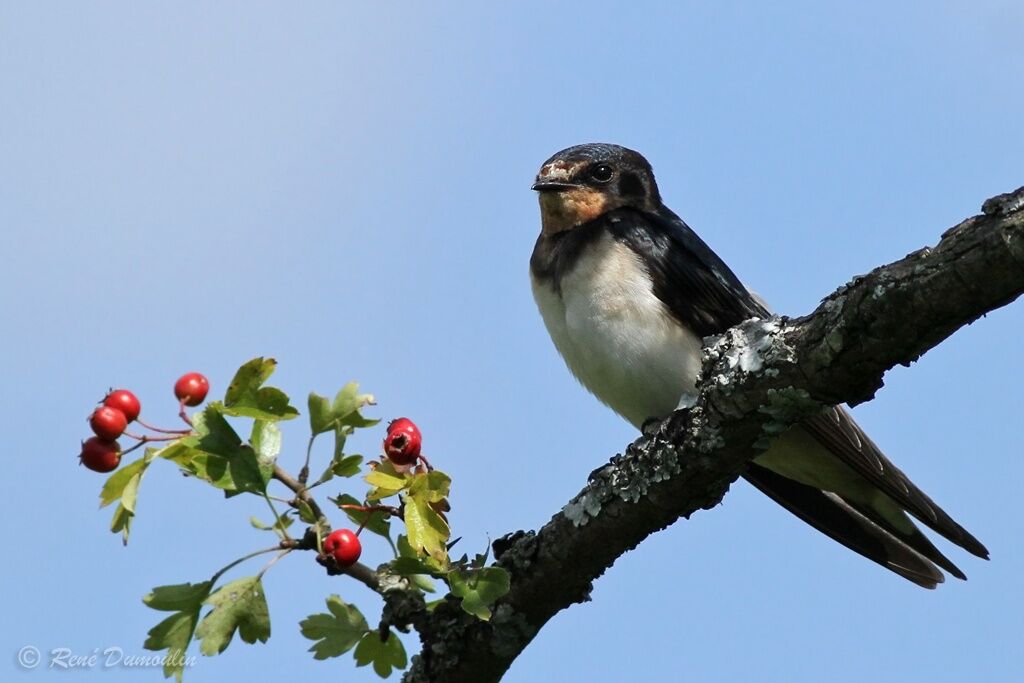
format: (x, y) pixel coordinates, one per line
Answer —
(759, 378)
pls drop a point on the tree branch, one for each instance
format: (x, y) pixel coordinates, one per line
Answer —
(758, 378)
(360, 572)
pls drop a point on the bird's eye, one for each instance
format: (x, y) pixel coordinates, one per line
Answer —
(602, 173)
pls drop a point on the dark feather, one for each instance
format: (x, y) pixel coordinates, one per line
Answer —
(836, 430)
(696, 286)
(706, 296)
(831, 515)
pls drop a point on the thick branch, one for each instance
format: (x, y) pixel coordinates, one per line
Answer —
(759, 378)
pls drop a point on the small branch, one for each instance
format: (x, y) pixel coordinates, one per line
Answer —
(359, 572)
(277, 518)
(304, 472)
(299, 490)
(272, 562)
(239, 561)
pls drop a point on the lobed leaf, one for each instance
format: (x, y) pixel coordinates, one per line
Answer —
(247, 397)
(386, 481)
(218, 456)
(337, 632)
(237, 606)
(479, 588)
(427, 529)
(175, 632)
(342, 414)
(385, 655)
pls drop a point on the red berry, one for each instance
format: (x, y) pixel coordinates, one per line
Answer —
(99, 455)
(125, 401)
(108, 423)
(344, 545)
(191, 388)
(403, 442)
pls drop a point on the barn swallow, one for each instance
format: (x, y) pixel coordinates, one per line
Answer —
(628, 291)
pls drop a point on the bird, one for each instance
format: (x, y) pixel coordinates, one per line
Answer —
(628, 291)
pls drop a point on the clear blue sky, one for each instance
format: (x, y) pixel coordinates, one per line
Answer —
(346, 188)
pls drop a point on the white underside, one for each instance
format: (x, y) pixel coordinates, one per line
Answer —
(617, 337)
(623, 345)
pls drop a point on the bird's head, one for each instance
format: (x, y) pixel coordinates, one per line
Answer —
(583, 182)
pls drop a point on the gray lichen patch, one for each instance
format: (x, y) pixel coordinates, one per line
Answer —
(785, 407)
(1004, 204)
(627, 477)
(748, 348)
(510, 630)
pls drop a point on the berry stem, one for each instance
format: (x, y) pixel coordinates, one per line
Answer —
(162, 431)
(181, 413)
(146, 437)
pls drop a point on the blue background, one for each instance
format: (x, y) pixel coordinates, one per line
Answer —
(184, 186)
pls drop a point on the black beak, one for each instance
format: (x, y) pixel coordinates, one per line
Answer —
(551, 186)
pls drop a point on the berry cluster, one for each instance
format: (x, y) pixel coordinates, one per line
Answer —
(402, 446)
(119, 408)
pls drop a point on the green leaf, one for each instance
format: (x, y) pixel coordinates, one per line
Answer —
(340, 436)
(123, 486)
(239, 605)
(175, 632)
(432, 486)
(122, 519)
(341, 415)
(428, 531)
(260, 525)
(410, 566)
(115, 485)
(177, 452)
(423, 583)
(479, 588)
(122, 522)
(385, 481)
(266, 441)
(220, 458)
(174, 635)
(347, 404)
(384, 655)
(320, 418)
(178, 597)
(347, 466)
(336, 633)
(283, 522)
(411, 562)
(426, 528)
(342, 466)
(247, 397)
(305, 512)
(379, 522)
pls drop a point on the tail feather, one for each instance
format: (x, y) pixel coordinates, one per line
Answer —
(836, 518)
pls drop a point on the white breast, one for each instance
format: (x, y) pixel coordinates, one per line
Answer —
(616, 336)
